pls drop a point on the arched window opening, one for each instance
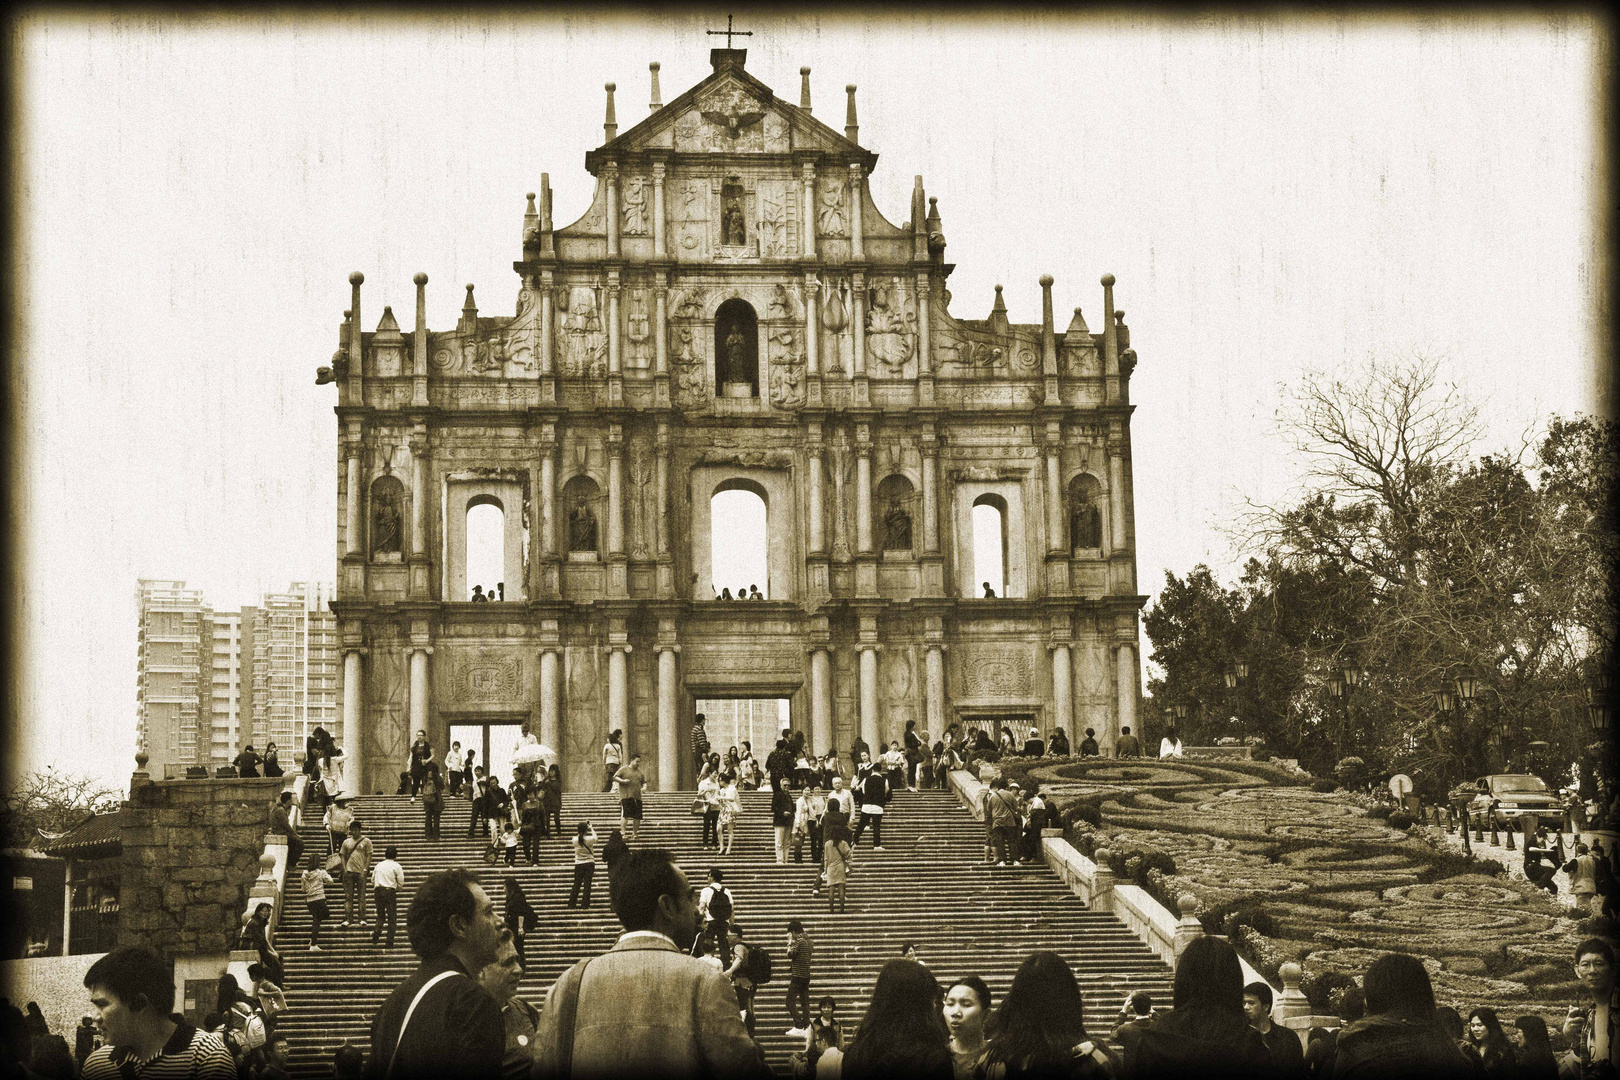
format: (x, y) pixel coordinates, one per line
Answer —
(894, 509)
(737, 539)
(387, 518)
(990, 545)
(486, 542)
(582, 505)
(736, 350)
(1085, 515)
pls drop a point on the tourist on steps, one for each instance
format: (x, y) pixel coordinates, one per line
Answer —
(1001, 818)
(967, 1007)
(315, 880)
(421, 754)
(893, 765)
(454, 1026)
(612, 757)
(1205, 1031)
(807, 814)
(500, 980)
(281, 824)
(716, 910)
(1040, 1029)
(479, 790)
(453, 762)
(613, 853)
(782, 811)
(800, 951)
(836, 847)
(874, 793)
(519, 916)
(708, 790)
(647, 1008)
(700, 744)
(532, 820)
(355, 856)
(554, 794)
(746, 974)
(584, 866)
(631, 781)
(432, 801)
(914, 754)
(387, 881)
(337, 819)
(730, 810)
(903, 1032)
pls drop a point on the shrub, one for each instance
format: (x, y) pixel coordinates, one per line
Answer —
(1489, 866)
(1324, 786)
(1380, 810)
(1349, 769)
(1090, 813)
(1320, 987)
(1401, 819)
(1158, 860)
(1260, 753)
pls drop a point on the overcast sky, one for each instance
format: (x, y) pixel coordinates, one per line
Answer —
(1272, 195)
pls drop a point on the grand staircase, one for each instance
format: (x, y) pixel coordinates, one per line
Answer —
(930, 886)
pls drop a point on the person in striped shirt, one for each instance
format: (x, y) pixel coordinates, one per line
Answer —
(132, 989)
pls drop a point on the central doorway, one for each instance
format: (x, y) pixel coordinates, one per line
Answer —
(495, 743)
(734, 721)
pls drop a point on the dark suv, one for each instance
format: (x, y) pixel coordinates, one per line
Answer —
(1507, 795)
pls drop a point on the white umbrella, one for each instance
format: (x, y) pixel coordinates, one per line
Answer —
(528, 753)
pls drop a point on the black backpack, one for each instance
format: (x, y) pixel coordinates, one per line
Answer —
(720, 905)
(758, 968)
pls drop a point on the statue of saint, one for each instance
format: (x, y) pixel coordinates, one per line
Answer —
(1085, 525)
(732, 231)
(897, 528)
(581, 528)
(384, 522)
(736, 360)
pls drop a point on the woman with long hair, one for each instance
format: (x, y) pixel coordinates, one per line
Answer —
(1040, 1029)
(1491, 1043)
(584, 865)
(733, 762)
(272, 761)
(967, 1007)
(903, 1032)
(519, 916)
(708, 790)
(730, 807)
(1205, 1030)
(1536, 1060)
(1401, 1034)
(551, 820)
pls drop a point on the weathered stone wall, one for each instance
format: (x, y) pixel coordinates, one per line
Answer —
(191, 853)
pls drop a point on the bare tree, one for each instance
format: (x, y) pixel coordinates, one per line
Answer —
(46, 804)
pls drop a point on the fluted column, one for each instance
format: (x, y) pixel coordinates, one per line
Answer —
(615, 509)
(1054, 500)
(857, 238)
(930, 499)
(353, 498)
(618, 688)
(925, 340)
(661, 330)
(863, 499)
(353, 695)
(818, 516)
(869, 705)
(808, 218)
(658, 209)
(419, 346)
(661, 480)
(550, 700)
(1062, 689)
(821, 724)
(934, 684)
(548, 500)
(1126, 708)
(669, 747)
(419, 688)
(548, 327)
(857, 323)
(615, 339)
(812, 325)
(419, 516)
(610, 176)
(1116, 497)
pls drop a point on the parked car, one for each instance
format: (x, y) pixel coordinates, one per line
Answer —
(1508, 795)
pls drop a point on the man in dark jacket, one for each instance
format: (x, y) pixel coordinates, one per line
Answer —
(1287, 1056)
(1398, 1037)
(1205, 1033)
(455, 1026)
(1088, 745)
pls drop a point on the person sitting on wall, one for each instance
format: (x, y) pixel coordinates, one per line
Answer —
(1088, 745)
(478, 596)
(989, 593)
(1059, 746)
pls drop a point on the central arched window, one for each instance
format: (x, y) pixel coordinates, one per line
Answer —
(486, 541)
(990, 545)
(738, 526)
(736, 350)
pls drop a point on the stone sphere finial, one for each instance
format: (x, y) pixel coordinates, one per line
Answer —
(1107, 280)
(998, 288)
(267, 865)
(1187, 904)
(1046, 281)
(356, 278)
(610, 87)
(421, 279)
(1290, 974)
(1119, 314)
(141, 758)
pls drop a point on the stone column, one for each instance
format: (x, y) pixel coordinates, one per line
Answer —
(869, 705)
(863, 498)
(419, 688)
(548, 501)
(615, 508)
(934, 681)
(661, 480)
(1116, 497)
(857, 239)
(1062, 689)
(1054, 500)
(352, 697)
(821, 725)
(352, 501)
(658, 209)
(812, 324)
(618, 687)
(548, 327)
(669, 744)
(925, 341)
(550, 686)
(818, 516)
(857, 323)
(419, 359)
(1127, 690)
(610, 176)
(930, 498)
(661, 329)
(419, 515)
(615, 355)
(808, 219)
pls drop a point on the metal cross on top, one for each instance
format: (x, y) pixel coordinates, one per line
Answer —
(728, 31)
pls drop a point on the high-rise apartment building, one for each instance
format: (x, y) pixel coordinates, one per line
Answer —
(209, 682)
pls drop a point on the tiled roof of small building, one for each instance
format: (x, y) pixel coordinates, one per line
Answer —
(97, 837)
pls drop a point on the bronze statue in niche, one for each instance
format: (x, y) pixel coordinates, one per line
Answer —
(581, 528)
(386, 496)
(733, 227)
(896, 528)
(736, 348)
(1085, 524)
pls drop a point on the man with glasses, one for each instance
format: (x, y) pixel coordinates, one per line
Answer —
(1591, 1030)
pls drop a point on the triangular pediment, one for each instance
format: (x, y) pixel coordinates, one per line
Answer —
(730, 112)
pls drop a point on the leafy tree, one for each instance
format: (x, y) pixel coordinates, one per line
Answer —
(45, 804)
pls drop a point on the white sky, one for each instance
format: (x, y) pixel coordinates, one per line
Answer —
(192, 194)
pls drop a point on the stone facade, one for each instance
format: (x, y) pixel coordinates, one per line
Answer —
(732, 311)
(190, 856)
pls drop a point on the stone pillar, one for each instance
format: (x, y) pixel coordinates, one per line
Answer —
(610, 177)
(857, 323)
(669, 739)
(818, 516)
(615, 507)
(1116, 497)
(661, 329)
(618, 688)
(419, 515)
(352, 698)
(925, 352)
(857, 238)
(934, 683)
(821, 724)
(930, 499)
(352, 501)
(1126, 706)
(863, 498)
(658, 209)
(869, 704)
(661, 480)
(615, 355)
(808, 218)
(812, 324)
(548, 327)
(419, 688)
(419, 365)
(550, 686)
(1054, 499)
(548, 502)
(1062, 689)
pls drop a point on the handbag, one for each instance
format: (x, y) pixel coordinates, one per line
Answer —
(699, 807)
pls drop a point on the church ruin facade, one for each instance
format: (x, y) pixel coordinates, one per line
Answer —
(732, 312)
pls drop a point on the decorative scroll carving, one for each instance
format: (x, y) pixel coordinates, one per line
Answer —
(994, 673)
(891, 328)
(776, 133)
(773, 220)
(641, 475)
(691, 375)
(692, 217)
(522, 337)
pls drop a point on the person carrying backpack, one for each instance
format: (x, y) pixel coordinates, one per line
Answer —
(715, 907)
(750, 971)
